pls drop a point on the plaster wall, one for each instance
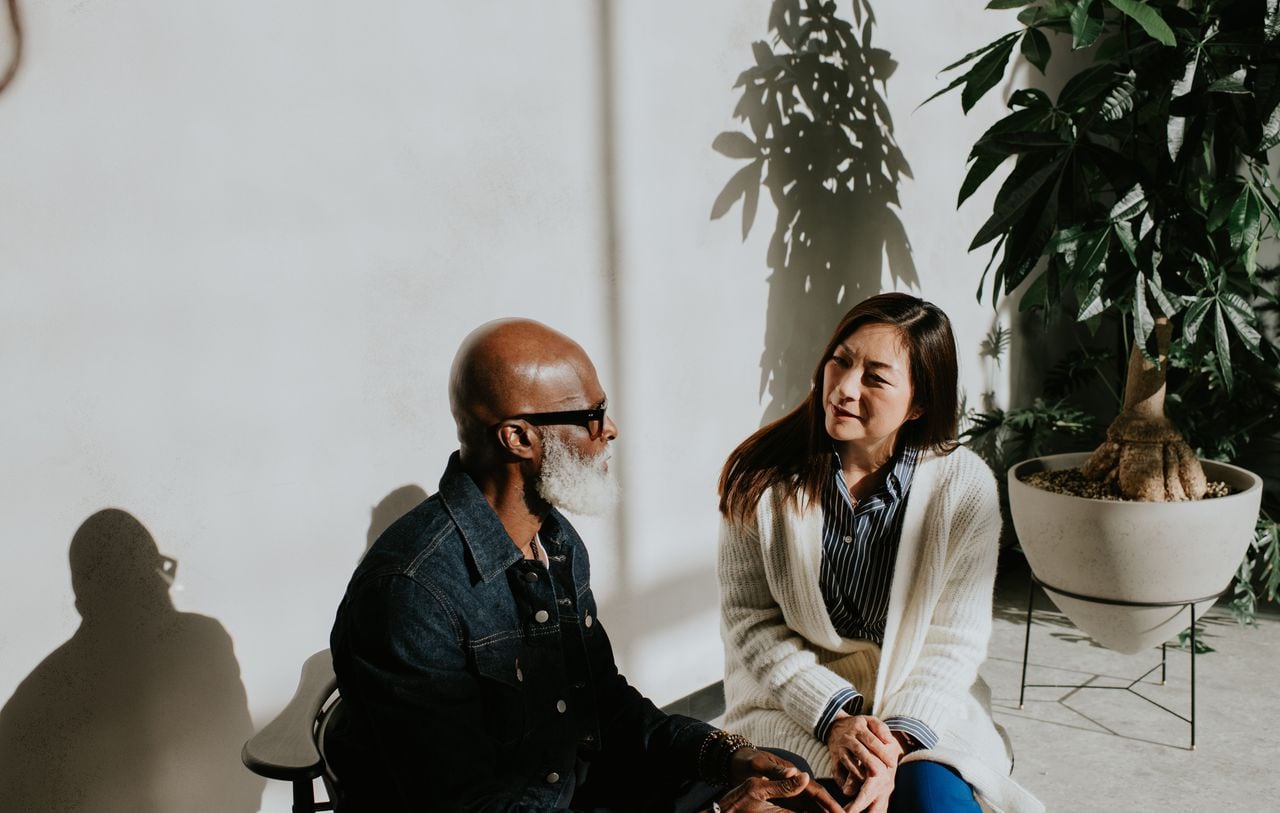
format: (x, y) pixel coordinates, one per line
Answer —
(239, 243)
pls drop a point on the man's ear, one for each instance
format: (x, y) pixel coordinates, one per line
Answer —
(514, 438)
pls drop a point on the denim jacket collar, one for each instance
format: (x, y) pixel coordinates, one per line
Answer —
(486, 538)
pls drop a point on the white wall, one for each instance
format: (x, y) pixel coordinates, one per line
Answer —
(240, 241)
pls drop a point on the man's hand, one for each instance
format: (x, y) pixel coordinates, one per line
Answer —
(760, 776)
(754, 795)
(865, 754)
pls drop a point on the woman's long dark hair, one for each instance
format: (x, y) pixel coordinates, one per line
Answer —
(794, 452)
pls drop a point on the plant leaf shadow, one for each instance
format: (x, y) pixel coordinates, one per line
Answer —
(821, 142)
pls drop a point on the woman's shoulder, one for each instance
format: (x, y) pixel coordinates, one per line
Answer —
(961, 470)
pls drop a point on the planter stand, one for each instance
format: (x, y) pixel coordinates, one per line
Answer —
(1190, 604)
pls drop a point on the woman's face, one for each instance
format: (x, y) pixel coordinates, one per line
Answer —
(866, 390)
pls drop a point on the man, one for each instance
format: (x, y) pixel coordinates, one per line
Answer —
(473, 669)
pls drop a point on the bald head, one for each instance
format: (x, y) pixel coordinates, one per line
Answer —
(517, 366)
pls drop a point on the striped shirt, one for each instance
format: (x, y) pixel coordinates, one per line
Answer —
(859, 546)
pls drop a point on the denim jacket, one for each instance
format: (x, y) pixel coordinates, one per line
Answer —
(474, 679)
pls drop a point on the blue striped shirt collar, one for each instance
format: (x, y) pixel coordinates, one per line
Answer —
(898, 481)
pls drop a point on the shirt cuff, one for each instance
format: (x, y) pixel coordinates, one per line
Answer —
(920, 732)
(848, 699)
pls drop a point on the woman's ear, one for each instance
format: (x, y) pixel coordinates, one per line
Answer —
(916, 412)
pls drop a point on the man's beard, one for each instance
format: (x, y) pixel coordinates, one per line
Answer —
(573, 483)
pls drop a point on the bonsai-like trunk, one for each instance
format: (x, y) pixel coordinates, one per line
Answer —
(1144, 454)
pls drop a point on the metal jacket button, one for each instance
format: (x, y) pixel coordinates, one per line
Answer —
(553, 778)
(588, 620)
(530, 576)
(541, 616)
(561, 706)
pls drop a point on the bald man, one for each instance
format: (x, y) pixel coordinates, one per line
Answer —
(474, 672)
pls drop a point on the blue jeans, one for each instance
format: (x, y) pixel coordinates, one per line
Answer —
(923, 787)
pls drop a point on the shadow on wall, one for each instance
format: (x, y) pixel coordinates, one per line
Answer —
(142, 709)
(822, 143)
(393, 506)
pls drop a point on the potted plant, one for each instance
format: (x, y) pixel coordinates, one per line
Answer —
(1140, 193)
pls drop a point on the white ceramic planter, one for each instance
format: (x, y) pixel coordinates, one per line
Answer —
(1133, 551)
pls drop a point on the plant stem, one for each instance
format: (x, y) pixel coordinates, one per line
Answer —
(1144, 388)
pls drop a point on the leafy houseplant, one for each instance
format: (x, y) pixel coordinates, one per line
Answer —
(1144, 188)
(1140, 195)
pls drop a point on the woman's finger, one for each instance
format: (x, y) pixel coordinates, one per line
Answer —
(886, 752)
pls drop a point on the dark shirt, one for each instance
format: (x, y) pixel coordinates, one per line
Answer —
(859, 548)
(475, 679)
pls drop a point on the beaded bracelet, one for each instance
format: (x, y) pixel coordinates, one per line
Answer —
(716, 754)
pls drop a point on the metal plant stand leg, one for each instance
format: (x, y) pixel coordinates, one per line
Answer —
(1162, 666)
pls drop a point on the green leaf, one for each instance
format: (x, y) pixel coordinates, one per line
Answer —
(989, 46)
(1177, 126)
(1230, 84)
(1003, 4)
(1241, 317)
(1195, 316)
(735, 145)
(979, 171)
(1037, 293)
(1124, 235)
(1035, 47)
(1085, 87)
(1011, 207)
(1147, 17)
(1085, 25)
(1271, 130)
(1119, 102)
(1143, 321)
(1092, 303)
(1243, 224)
(1032, 98)
(1222, 347)
(1091, 254)
(1129, 206)
(1222, 207)
(985, 75)
(1166, 305)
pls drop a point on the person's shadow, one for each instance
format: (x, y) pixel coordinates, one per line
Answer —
(142, 709)
(821, 141)
(390, 508)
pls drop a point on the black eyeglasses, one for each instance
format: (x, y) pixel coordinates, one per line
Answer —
(592, 419)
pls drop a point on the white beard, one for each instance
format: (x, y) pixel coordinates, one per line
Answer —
(573, 483)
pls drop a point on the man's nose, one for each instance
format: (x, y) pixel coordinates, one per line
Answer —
(610, 428)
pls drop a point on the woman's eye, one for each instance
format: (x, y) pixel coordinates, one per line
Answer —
(843, 362)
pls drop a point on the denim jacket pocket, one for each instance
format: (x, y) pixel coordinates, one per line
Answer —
(502, 687)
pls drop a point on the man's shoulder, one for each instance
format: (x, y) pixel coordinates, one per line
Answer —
(411, 542)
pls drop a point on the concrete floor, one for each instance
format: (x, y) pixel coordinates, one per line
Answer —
(1109, 750)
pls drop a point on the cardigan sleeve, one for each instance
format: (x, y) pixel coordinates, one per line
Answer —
(757, 637)
(966, 536)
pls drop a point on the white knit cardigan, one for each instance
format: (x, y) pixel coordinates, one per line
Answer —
(784, 660)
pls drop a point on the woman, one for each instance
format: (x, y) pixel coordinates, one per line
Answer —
(857, 560)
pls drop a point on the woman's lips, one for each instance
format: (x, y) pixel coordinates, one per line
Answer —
(843, 414)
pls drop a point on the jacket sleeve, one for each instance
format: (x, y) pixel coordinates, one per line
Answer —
(756, 634)
(966, 545)
(402, 666)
